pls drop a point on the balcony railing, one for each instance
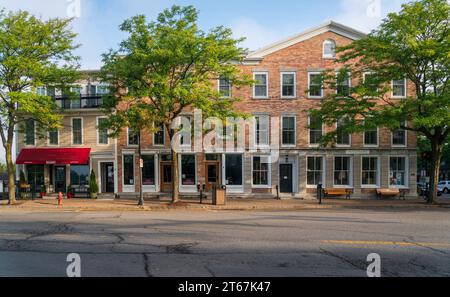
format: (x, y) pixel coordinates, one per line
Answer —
(83, 101)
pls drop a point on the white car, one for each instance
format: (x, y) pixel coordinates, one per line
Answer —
(444, 187)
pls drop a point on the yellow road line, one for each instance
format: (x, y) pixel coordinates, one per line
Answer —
(392, 243)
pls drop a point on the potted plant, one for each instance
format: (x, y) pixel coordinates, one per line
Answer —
(43, 191)
(23, 185)
(70, 192)
(93, 186)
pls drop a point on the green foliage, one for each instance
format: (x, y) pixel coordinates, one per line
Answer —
(415, 44)
(43, 189)
(70, 189)
(169, 65)
(33, 53)
(93, 186)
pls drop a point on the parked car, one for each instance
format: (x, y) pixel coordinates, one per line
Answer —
(444, 187)
(422, 189)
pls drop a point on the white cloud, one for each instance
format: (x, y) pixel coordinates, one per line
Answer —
(366, 15)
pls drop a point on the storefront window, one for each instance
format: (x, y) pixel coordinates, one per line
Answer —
(79, 175)
(233, 170)
(188, 170)
(148, 172)
(128, 170)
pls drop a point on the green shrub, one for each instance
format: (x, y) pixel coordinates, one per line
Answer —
(93, 186)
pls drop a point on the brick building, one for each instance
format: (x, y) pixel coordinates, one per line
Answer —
(288, 156)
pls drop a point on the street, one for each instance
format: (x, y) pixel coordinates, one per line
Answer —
(226, 243)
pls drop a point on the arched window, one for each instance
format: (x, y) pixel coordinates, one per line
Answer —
(329, 49)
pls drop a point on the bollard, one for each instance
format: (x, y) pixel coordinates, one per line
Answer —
(319, 193)
(60, 198)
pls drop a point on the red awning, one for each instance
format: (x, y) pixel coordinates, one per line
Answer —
(54, 156)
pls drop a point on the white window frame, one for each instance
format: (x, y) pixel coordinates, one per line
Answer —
(98, 132)
(183, 143)
(295, 131)
(48, 141)
(164, 138)
(326, 56)
(405, 138)
(128, 139)
(349, 81)
(344, 145)
(82, 130)
(378, 176)
(309, 86)
(350, 186)
(372, 145)
(406, 186)
(269, 172)
(324, 175)
(34, 137)
(187, 188)
(406, 89)
(267, 84)
(309, 133)
(128, 188)
(230, 89)
(266, 142)
(282, 84)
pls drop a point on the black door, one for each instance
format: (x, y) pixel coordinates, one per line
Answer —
(107, 177)
(60, 179)
(286, 181)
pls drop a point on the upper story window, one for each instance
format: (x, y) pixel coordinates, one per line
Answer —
(342, 138)
(98, 89)
(133, 137)
(288, 85)
(288, 131)
(30, 132)
(371, 138)
(399, 88)
(53, 137)
(343, 84)
(399, 137)
(41, 91)
(315, 130)
(159, 135)
(224, 87)
(262, 130)
(186, 130)
(315, 85)
(102, 133)
(329, 49)
(261, 87)
(77, 131)
(370, 82)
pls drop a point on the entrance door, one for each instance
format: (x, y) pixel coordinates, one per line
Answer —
(212, 175)
(107, 177)
(60, 179)
(286, 180)
(166, 177)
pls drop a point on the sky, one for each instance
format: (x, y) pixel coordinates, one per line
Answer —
(261, 22)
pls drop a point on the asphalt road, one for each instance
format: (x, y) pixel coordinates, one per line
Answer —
(230, 244)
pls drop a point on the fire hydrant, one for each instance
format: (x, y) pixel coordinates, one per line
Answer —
(60, 198)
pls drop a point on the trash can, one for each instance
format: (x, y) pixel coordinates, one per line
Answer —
(219, 195)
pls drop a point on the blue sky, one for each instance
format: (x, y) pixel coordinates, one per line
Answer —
(261, 21)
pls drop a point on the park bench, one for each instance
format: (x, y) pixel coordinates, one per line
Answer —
(381, 193)
(338, 192)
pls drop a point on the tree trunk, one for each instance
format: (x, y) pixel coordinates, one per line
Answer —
(11, 175)
(437, 149)
(175, 178)
(141, 193)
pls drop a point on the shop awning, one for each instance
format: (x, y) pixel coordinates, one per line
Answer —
(54, 156)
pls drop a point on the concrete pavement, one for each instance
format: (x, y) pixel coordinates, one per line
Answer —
(226, 243)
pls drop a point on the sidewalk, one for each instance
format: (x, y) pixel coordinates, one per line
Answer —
(232, 205)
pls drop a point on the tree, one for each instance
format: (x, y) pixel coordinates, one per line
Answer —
(412, 44)
(93, 186)
(33, 53)
(168, 66)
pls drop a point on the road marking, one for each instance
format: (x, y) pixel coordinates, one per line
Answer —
(392, 243)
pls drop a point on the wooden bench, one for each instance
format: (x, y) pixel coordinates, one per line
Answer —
(391, 193)
(338, 192)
